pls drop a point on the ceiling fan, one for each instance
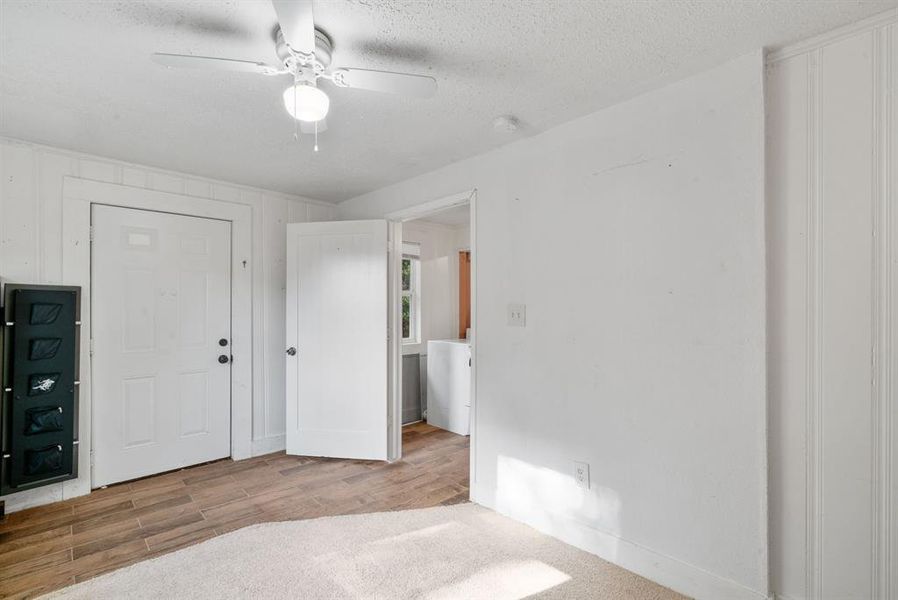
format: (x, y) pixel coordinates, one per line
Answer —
(305, 52)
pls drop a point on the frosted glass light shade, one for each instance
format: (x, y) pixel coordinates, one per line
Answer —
(306, 102)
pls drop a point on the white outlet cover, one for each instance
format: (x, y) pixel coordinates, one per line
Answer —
(517, 315)
(581, 474)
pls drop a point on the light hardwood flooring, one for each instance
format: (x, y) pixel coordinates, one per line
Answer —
(59, 544)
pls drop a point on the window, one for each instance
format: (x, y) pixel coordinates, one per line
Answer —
(411, 300)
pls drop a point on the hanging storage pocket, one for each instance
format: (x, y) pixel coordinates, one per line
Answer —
(44, 314)
(44, 460)
(43, 348)
(42, 383)
(43, 419)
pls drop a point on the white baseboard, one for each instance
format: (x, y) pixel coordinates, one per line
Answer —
(270, 444)
(670, 572)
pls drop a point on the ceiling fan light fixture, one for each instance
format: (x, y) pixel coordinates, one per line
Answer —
(305, 102)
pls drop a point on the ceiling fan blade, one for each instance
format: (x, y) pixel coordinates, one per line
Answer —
(297, 25)
(186, 61)
(418, 86)
(309, 127)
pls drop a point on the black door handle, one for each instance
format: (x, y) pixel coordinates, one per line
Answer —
(223, 342)
(291, 351)
(223, 358)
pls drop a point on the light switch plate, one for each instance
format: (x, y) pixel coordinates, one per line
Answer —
(517, 315)
(581, 474)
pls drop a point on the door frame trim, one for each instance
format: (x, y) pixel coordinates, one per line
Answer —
(395, 220)
(78, 196)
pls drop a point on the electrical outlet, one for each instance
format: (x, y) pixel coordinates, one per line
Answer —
(581, 474)
(517, 315)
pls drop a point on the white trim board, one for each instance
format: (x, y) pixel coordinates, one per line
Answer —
(78, 195)
(421, 211)
(165, 173)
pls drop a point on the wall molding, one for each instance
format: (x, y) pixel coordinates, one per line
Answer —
(420, 211)
(884, 228)
(811, 564)
(74, 154)
(809, 45)
(890, 443)
(814, 400)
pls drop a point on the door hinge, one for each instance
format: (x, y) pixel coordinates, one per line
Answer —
(90, 346)
(91, 234)
(92, 461)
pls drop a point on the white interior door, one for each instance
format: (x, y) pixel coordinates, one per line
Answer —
(161, 323)
(337, 323)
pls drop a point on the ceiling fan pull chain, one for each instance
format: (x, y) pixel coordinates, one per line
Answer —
(316, 136)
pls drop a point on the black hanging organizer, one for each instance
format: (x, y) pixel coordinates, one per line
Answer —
(39, 372)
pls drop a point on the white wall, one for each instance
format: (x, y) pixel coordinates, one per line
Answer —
(635, 236)
(31, 246)
(833, 285)
(440, 245)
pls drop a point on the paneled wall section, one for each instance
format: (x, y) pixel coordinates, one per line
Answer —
(31, 179)
(833, 327)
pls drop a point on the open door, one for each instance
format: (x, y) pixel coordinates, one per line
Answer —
(338, 355)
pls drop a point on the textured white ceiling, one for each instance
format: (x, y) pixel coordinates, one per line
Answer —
(77, 74)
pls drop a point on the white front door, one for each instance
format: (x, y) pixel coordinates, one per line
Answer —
(337, 339)
(161, 329)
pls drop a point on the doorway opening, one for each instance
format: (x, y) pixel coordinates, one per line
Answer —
(434, 307)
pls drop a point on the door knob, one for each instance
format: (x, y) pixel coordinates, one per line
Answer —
(223, 358)
(291, 351)
(223, 342)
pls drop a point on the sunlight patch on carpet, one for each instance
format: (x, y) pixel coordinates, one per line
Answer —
(462, 551)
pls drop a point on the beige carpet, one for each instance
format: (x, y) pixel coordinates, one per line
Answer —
(463, 551)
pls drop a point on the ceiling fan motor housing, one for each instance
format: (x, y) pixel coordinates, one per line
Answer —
(305, 53)
(323, 51)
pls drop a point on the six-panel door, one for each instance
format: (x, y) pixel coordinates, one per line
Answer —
(161, 290)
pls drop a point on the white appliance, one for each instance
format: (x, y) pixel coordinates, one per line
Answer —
(449, 385)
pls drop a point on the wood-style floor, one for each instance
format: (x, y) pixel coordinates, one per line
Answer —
(59, 544)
